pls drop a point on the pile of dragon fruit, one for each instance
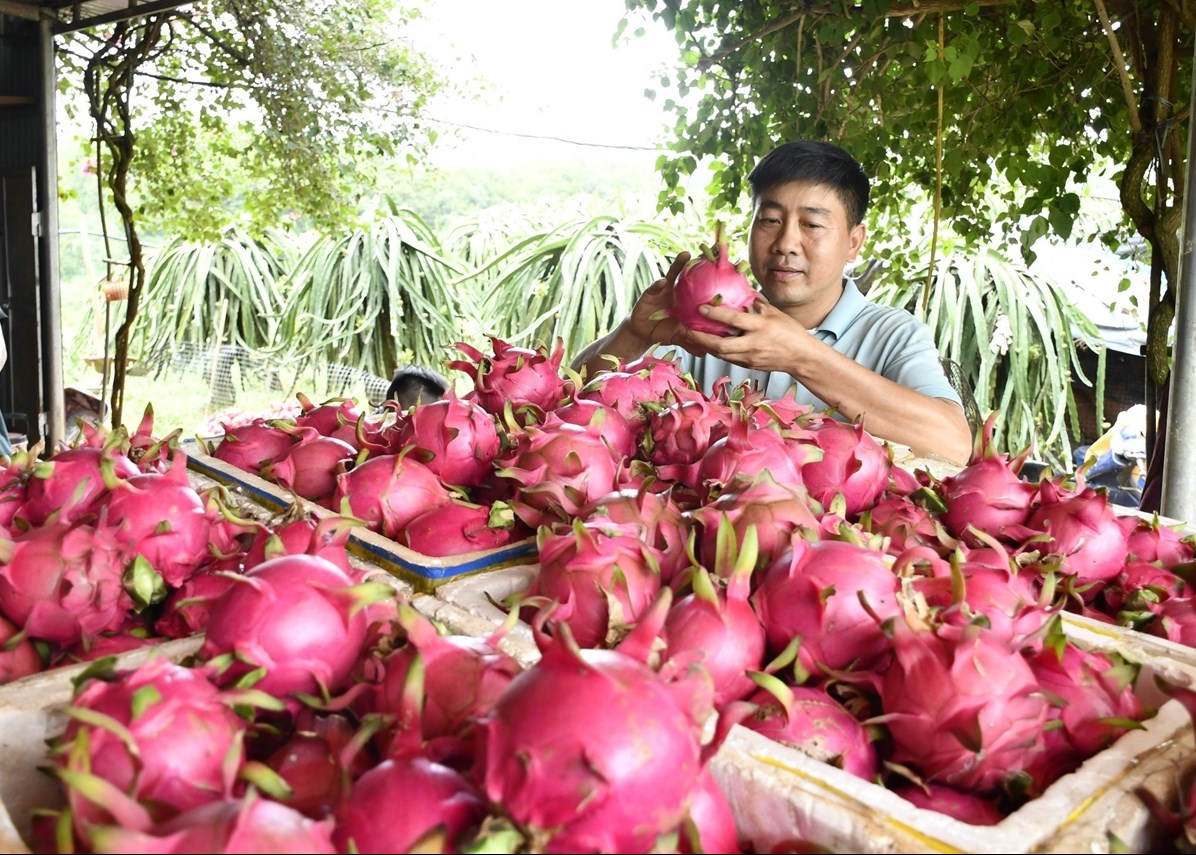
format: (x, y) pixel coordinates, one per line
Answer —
(768, 563)
(108, 547)
(323, 714)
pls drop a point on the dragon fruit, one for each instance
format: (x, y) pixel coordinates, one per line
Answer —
(591, 750)
(833, 594)
(964, 806)
(632, 386)
(514, 376)
(458, 527)
(602, 575)
(71, 483)
(387, 492)
(161, 517)
(1081, 526)
(961, 705)
(712, 280)
(62, 583)
(160, 734)
(251, 823)
(853, 463)
(436, 800)
(716, 625)
(659, 516)
(677, 436)
(776, 510)
(298, 618)
(455, 438)
(558, 470)
(253, 445)
(809, 719)
(18, 657)
(309, 466)
(988, 493)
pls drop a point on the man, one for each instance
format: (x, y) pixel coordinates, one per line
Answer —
(416, 384)
(810, 326)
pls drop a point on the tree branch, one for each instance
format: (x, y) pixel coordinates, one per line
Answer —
(1128, 90)
(919, 8)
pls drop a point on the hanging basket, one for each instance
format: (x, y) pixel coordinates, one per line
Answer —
(115, 289)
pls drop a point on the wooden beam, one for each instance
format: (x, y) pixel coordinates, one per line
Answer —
(20, 10)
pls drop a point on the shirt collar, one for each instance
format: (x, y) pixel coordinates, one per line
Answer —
(850, 304)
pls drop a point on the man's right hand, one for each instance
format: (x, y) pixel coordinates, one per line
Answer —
(646, 326)
(649, 320)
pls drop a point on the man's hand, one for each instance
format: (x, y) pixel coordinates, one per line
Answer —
(765, 339)
(648, 320)
(645, 327)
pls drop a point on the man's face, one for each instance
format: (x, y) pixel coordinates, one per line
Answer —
(800, 242)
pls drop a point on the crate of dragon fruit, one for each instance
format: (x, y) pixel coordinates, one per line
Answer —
(407, 520)
(1038, 720)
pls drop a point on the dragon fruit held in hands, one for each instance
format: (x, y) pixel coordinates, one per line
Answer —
(711, 280)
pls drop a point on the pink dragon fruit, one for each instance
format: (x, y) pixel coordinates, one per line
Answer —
(710, 826)
(603, 576)
(438, 803)
(591, 750)
(631, 386)
(460, 677)
(458, 527)
(161, 517)
(746, 451)
(298, 532)
(455, 438)
(558, 471)
(809, 719)
(319, 762)
(160, 734)
(961, 705)
(1080, 526)
(619, 432)
(967, 807)
(658, 515)
(298, 618)
(70, 484)
(387, 492)
(853, 463)
(514, 376)
(336, 417)
(62, 583)
(18, 657)
(834, 596)
(716, 625)
(309, 467)
(776, 510)
(677, 436)
(1093, 692)
(254, 445)
(711, 280)
(988, 493)
(185, 610)
(251, 823)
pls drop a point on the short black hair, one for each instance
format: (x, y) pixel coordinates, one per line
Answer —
(818, 162)
(416, 384)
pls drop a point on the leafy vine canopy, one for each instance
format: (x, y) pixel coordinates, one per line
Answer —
(1010, 104)
(249, 113)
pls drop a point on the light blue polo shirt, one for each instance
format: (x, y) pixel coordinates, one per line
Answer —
(889, 341)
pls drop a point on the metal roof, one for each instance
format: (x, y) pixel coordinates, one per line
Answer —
(69, 15)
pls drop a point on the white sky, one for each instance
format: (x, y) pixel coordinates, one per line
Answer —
(552, 74)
